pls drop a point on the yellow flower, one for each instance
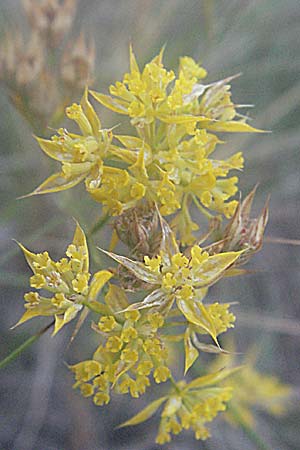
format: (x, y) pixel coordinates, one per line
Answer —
(129, 334)
(170, 162)
(86, 370)
(153, 263)
(114, 344)
(174, 276)
(67, 280)
(180, 282)
(86, 390)
(161, 374)
(81, 155)
(131, 348)
(129, 355)
(252, 389)
(188, 406)
(101, 398)
(107, 323)
(145, 367)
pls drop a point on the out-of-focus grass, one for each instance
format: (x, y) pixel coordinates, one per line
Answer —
(261, 39)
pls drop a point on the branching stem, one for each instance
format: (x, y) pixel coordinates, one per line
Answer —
(18, 351)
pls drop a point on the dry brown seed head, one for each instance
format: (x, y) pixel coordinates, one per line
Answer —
(78, 63)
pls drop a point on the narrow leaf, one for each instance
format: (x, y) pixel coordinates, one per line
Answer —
(29, 314)
(208, 348)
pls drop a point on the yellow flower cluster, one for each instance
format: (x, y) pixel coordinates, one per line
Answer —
(252, 389)
(130, 351)
(188, 406)
(67, 280)
(174, 277)
(166, 167)
(193, 410)
(169, 160)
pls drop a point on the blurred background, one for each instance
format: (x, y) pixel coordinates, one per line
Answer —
(259, 38)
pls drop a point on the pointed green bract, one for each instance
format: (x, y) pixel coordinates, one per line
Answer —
(212, 378)
(56, 183)
(109, 102)
(137, 268)
(191, 353)
(145, 414)
(98, 281)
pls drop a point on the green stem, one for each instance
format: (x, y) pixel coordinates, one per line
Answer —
(174, 384)
(13, 355)
(98, 225)
(251, 434)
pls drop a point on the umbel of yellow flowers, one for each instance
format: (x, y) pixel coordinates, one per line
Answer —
(168, 157)
(67, 281)
(163, 168)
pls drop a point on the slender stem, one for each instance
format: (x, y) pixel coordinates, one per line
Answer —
(251, 434)
(174, 383)
(98, 225)
(13, 355)
(202, 209)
